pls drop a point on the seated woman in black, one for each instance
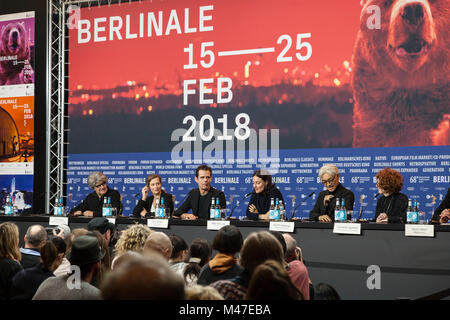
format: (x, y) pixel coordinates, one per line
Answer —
(392, 206)
(263, 191)
(145, 208)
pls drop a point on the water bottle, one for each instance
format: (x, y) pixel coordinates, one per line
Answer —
(272, 209)
(411, 214)
(9, 209)
(212, 209)
(343, 212)
(106, 210)
(217, 209)
(59, 209)
(162, 209)
(282, 211)
(157, 209)
(337, 210)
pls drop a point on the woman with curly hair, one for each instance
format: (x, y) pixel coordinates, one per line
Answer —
(132, 239)
(391, 207)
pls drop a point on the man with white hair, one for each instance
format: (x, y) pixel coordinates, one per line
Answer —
(323, 210)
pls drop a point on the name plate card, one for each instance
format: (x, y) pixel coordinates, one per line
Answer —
(282, 226)
(112, 220)
(417, 230)
(56, 221)
(347, 228)
(158, 223)
(216, 224)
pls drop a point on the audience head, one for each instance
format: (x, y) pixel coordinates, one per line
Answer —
(259, 247)
(279, 236)
(49, 256)
(198, 255)
(106, 260)
(270, 281)
(262, 181)
(323, 291)
(329, 174)
(198, 292)
(122, 258)
(179, 246)
(86, 254)
(159, 242)
(292, 251)
(143, 278)
(9, 241)
(132, 239)
(228, 240)
(102, 225)
(389, 181)
(66, 231)
(61, 246)
(35, 237)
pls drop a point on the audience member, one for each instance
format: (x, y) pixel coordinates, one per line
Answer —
(198, 292)
(105, 263)
(323, 291)
(227, 242)
(159, 242)
(35, 238)
(257, 248)
(132, 239)
(9, 257)
(143, 278)
(61, 247)
(26, 282)
(270, 281)
(295, 267)
(198, 255)
(86, 254)
(122, 258)
(179, 252)
(62, 231)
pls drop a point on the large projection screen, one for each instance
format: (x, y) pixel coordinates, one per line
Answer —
(163, 86)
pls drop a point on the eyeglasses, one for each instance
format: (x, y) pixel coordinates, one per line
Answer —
(101, 184)
(329, 181)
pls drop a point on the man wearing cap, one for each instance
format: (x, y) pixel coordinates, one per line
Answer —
(85, 258)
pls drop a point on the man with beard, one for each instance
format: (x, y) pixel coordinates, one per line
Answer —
(323, 210)
(85, 258)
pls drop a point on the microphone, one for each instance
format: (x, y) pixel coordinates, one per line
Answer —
(293, 211)
(137, 194)
(238, 203)
(362, 209)
(182, 201)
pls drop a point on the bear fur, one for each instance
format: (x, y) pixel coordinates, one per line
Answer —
(14, 55)
(400, 75)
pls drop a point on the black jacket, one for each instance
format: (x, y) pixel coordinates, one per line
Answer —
(445, 204)
(394, 205)
(192, 202)
(320, 208)
(95, 204)
(147, 205)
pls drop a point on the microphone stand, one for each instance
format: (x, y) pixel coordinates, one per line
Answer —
(238, 203)
(362, 209)
(304, 200)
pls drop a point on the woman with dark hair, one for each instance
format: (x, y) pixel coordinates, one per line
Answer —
(392, 205)
(227, 241)
(263, 191)
(145, 208)
(198, 255)
(26, 282)
(323, 291)
(179, 253)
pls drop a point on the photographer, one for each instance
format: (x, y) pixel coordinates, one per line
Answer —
(107, 229)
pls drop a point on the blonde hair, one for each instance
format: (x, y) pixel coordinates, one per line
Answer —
(132, 239)
(9, 241)
(198, 292)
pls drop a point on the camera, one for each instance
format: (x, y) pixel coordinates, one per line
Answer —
(50, 230)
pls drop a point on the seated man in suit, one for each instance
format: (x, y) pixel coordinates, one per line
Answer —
(442, 213)
(323, 210)
(199, 199)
